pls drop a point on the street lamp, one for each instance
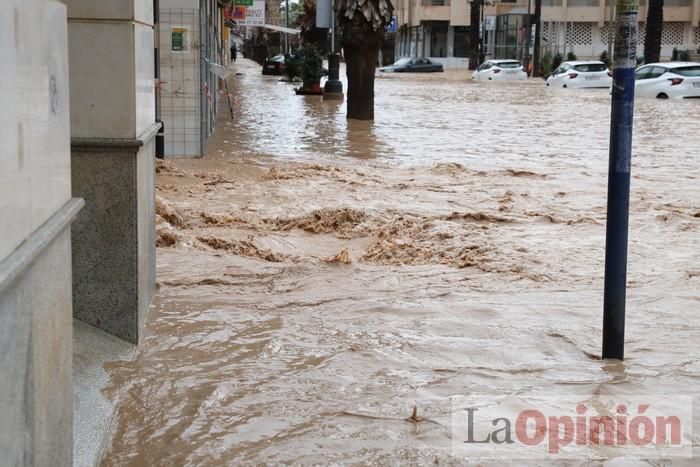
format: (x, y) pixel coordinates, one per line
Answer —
(333, 83)
(286, 34)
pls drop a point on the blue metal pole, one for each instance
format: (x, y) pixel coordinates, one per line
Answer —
(617, 224)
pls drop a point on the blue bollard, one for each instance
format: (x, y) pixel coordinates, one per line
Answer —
(617, 224)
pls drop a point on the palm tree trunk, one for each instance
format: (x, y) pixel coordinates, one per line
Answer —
(360, 64)
(361, 49)
(474, 34)
(652, 43)
(536, 68)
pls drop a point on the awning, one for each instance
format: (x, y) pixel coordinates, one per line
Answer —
(281, 29)
(219, 70)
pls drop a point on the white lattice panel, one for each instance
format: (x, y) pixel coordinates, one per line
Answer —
(604, 32)
(641, 33)
(697, 36)
(580, 34)
(672, 33)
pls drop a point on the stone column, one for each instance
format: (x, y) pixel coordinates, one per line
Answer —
(36, 210)
(111, 50)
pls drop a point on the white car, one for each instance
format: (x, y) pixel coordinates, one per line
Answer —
(496, 70)
(581, 74)
(673, 80)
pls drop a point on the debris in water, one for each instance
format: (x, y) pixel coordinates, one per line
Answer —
(164, 210)
(342, 257)
(241, 247)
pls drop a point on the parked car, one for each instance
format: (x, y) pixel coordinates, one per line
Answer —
(581, 74)
(413, 65)
(673, 80)
(497, 70)
(274, 65)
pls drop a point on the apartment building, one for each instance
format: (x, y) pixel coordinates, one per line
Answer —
(439, 28)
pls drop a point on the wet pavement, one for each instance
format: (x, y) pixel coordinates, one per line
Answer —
(319, 278)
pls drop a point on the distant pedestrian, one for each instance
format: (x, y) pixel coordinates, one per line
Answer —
(234, 52)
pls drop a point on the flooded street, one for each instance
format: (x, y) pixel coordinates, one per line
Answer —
(319, 279)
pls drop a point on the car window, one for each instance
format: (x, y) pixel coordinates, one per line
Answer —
(508, 65)
(687, 70)
(590, 67)
(558, 71)
(642, 73)
(565, 67)
(485, 66)
(657, 71)
(403, 62)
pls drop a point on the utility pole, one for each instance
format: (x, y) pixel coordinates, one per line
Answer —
(538, 35)
(528, 38)
(611, 28)
(482, 34)
(286, 23)
(617, 223)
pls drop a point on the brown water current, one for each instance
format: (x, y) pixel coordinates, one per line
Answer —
(319, 278)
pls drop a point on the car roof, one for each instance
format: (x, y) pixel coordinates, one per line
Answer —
(583, 62)
(503, 61)
(671, 64)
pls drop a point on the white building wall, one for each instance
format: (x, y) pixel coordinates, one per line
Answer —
(34, 121)
(35, 250)
(589, 39)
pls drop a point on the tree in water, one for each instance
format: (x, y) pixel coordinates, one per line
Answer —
(474, 20)
(652, 43)
(361, 24)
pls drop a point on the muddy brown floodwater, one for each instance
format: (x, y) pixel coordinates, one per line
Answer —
(321, 278)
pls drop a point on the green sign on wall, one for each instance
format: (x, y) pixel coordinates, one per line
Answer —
(243, 2)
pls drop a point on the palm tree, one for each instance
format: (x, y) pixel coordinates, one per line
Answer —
(361, 24)
(652, 43)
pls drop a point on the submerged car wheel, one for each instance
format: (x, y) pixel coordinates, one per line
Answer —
(662, 96)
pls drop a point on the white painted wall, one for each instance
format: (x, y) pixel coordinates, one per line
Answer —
(114, 95)
(139, 10)
(34, 121)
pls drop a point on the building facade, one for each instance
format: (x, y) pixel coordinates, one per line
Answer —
(36, 210)
(77, 242)
(190, 38)
(439, 28)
